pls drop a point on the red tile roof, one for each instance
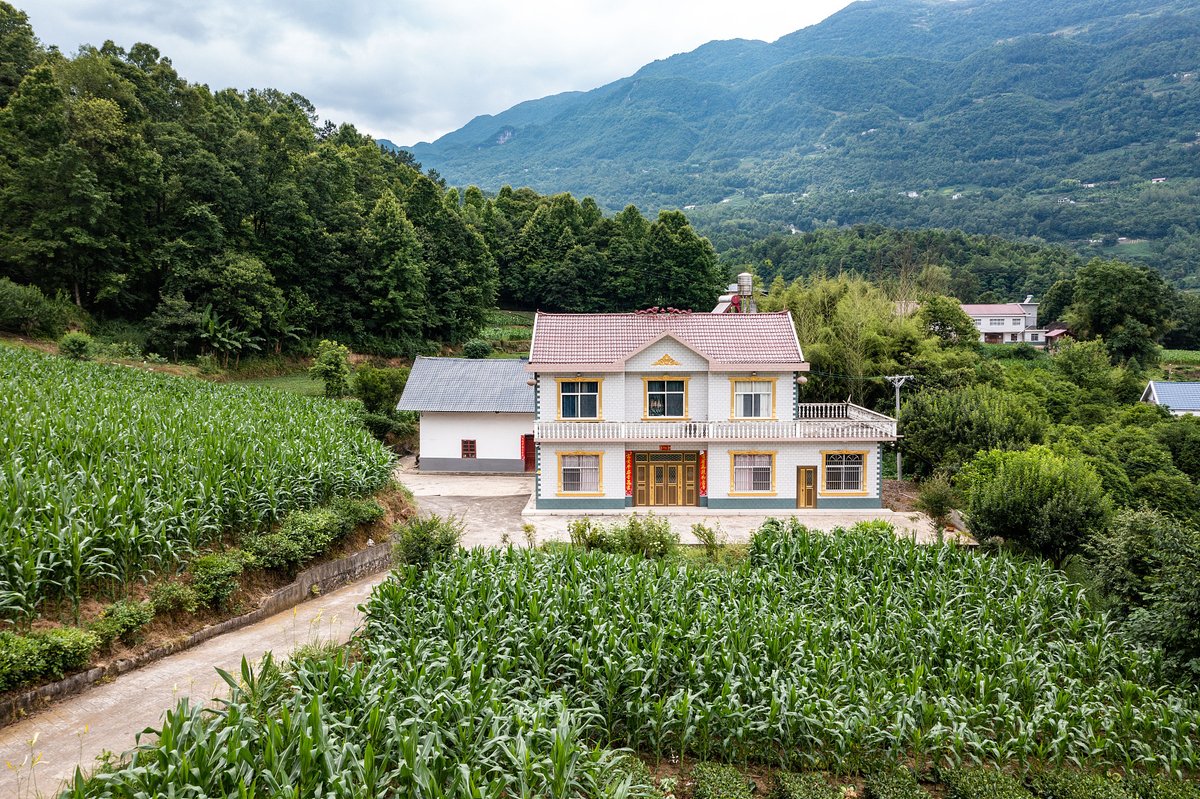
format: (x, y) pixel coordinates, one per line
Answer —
(611, 338)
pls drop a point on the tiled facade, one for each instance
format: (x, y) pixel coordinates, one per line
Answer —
(629, 445)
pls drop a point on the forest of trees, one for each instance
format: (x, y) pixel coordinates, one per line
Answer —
(236, 222)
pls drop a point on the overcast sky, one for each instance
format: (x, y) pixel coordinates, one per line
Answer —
(415, 69)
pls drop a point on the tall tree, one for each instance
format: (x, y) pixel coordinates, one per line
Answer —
(1128, 306)
(681, 269)
(398, 282)
(19, 50)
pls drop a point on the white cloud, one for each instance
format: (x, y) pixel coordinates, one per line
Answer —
(415, 69)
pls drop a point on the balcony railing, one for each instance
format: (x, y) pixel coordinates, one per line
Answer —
(817, 422)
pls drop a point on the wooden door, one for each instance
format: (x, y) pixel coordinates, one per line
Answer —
(528, 452)
(806, 486)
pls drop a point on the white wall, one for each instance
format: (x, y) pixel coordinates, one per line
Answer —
(720, 400)
(612, 466)
(496, 435)
(788, 456)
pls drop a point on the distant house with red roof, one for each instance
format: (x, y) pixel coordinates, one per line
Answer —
(667, 409)
(1007, 323)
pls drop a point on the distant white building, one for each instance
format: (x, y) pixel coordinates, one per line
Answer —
(1181, 399)
(1007, 323)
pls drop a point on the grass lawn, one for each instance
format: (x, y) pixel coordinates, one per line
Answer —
(1185, 357)
(296, 383)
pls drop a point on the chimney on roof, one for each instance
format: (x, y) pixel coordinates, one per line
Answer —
(745, 290)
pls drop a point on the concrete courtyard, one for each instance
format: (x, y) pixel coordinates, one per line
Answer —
(494, 506)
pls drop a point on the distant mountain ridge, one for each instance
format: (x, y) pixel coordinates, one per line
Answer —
(884, 97)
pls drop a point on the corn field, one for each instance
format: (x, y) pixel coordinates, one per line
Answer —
(108, 472)
(516, 673)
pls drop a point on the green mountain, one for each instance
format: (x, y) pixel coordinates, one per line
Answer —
(1017, 117)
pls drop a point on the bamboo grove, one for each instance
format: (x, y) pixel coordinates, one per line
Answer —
(108, 473)
(517, 673)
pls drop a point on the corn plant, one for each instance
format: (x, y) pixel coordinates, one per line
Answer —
(107, 472)
(519, 672)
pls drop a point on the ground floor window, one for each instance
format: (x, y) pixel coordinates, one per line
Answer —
(844, 471)
(468, 448)
(752, 472)
(580, 473)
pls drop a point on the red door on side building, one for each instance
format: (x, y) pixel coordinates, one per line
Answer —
(528, 452)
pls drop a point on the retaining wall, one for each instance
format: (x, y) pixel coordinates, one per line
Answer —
(313, 581)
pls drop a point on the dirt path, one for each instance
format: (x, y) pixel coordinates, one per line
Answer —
(74, 731)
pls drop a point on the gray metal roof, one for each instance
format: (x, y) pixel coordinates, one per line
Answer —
(1176, 396)
(468, 385)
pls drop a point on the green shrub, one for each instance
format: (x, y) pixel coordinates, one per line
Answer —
(477, 348)
(214, 576)
(122, 621)
(711, 538)
(171, 597)
(26, 310)
(117, 350)
(298, 538)
(76, 346)
(1044, 502)
(629, 768)
(65, 649)
(1141, 786)
(22, 660)
(303, 535)
(379, 389)
(588, 534)
(981, 783)
(356, 512)
(208, 364)
(1063, 784)
(426, 540)
(43, 654)
(332, 368)
(649, 536)
(877, 527)
(894, 783)
(716, 781)
(803, 786)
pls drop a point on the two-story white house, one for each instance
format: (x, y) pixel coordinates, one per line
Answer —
(656, 410)
(1007, 323)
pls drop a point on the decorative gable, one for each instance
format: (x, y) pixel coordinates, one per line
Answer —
(666, 360)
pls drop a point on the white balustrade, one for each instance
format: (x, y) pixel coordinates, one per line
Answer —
(818, 421)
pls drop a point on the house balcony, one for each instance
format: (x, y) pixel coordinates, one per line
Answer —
(817, 422)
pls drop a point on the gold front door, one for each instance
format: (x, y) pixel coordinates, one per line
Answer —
(665, 479)
(806, 486)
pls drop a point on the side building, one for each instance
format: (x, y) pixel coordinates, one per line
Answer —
(656, 410)
(476, 414)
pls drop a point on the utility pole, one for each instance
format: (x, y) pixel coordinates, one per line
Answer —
(897, 381)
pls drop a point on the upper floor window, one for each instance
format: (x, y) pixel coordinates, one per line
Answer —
(665, 398)
(1020, 321)
(579, 399)
(844, 471)
(752, 399)
(994, 322)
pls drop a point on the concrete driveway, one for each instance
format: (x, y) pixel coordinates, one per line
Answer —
(492, 506)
